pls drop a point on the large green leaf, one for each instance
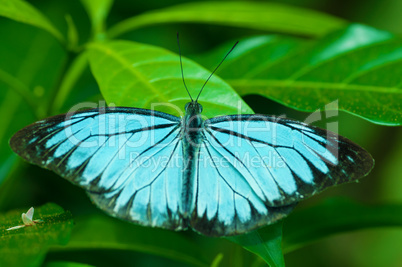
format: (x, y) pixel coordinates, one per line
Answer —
(103, 232)
(336, 216)
(359, 66)
(139, 75)
(27, 246)
(24, 12)
(252, 15)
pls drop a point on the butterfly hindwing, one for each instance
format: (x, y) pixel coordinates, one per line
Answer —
(226, 203)
(122, 156)
(151, 193)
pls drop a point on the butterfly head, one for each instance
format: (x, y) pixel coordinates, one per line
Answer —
(193, 108)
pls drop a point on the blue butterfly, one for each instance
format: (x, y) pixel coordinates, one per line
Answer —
(222, 176)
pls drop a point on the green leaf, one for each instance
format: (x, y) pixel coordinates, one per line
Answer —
(252, 15)
(336, 216)
(97, 12)
(139, 75)
(265, 242)
(360, 67)
(103, 232)
(27, 246)
(24, 12)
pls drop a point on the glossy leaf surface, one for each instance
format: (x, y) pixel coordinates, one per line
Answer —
(360, 67)
(139, 75)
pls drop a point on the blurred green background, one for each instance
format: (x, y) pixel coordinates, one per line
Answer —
(34, 57)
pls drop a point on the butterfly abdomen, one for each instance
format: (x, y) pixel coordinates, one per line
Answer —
(191, 138)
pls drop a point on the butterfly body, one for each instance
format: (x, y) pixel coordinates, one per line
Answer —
(191, 137)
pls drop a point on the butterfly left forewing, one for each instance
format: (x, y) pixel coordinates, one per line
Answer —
(121, 156)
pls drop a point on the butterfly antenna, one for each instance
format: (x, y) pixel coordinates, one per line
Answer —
(181, 67)
(216, 69)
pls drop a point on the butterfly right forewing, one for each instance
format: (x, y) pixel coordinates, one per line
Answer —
(262, 166)
(292, 160)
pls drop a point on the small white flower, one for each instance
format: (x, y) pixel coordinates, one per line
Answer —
(26, 219)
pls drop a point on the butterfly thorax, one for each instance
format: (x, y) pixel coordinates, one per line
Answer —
(193, 123)
(192, 137)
